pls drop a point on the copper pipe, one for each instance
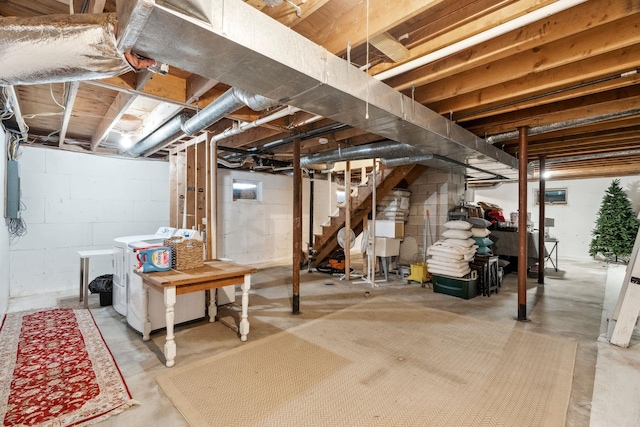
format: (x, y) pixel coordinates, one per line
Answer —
(522, 224)
(541, 215)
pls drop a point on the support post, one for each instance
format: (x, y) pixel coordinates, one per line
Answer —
(541, 215)
(212, 204)
(297, 225)
(310, 244)
(522, 224)
(347, 222)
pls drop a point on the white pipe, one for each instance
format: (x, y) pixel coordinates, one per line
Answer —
(259, 122)
(308, 121)
(489, 34)
(374, 184)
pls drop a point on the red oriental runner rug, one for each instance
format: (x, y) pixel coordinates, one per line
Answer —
(56, 370)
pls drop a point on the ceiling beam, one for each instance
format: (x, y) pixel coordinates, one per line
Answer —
(587, 16)
(286, 15)
(616, 39)
(116, 110)
(622, 101)
(69, 100)
(198, 86)
(383, 15)
(96, 6)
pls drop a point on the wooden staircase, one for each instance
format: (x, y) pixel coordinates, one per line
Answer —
(326, 244)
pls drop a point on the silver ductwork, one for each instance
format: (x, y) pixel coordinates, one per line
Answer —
(393, 154)
(400, 161)
(170, 130)
(551, 127)
(382, 149)
(232, 42)
(227, 103)
(59, 48)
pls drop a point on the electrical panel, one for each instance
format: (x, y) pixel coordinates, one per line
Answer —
(12, 205)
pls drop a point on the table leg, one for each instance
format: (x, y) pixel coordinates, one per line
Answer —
(170, 344)
(213, 307)
(85, 282)
(146, 321)
(81, 279)
(244, 322)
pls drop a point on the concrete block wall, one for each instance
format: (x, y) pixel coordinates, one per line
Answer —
(76, 201)
(438, 192)
(259, 232)
(4, 233)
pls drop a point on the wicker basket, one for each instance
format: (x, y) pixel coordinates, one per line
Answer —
(185, 253)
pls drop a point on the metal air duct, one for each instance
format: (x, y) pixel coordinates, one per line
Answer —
(59, 48)
(169, 130)
(536, 130)
(361, 152)
(227, 103)
(234, 43)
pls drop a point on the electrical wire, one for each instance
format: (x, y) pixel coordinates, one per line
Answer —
(17, 227)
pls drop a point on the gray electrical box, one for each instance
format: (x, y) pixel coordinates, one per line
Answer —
(12, 206)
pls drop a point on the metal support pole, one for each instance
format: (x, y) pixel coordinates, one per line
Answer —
(297, 225)
(347, 222)
(522, 224)
(310, 244)
(541, 215)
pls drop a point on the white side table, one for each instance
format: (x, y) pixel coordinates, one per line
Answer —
(85, 256)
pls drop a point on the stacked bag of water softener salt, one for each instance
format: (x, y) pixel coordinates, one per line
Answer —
(450, 256)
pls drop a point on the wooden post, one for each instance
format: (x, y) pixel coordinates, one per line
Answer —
(297, 225)
(200, 207)
(347, 221)
(522, 224)
(174, 194)
(541, 215)
(188, 216)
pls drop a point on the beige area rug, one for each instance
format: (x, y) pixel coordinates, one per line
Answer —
(381, 363)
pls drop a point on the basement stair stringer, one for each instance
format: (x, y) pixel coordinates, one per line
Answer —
(326, 244)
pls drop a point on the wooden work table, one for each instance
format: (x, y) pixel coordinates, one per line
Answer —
(214, 274)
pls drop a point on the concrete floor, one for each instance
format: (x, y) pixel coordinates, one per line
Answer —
(570, 305)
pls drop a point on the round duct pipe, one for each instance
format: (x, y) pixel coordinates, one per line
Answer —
(169, 130)
(536, 130)
(383, 149)
(230, 101)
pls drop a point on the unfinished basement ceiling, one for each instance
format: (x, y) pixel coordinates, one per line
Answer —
(576, 67)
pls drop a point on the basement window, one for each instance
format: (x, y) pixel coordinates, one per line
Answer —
(247, 190)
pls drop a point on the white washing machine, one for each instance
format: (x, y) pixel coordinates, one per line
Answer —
(191, 306)
(121, 270)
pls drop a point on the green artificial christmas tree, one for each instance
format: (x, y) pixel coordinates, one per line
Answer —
(616, 225)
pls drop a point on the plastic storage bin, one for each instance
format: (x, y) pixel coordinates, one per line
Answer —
(458, 287)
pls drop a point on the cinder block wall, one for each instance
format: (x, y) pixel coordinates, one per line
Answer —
(438, 192)
(261, 232)
(76, 201)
